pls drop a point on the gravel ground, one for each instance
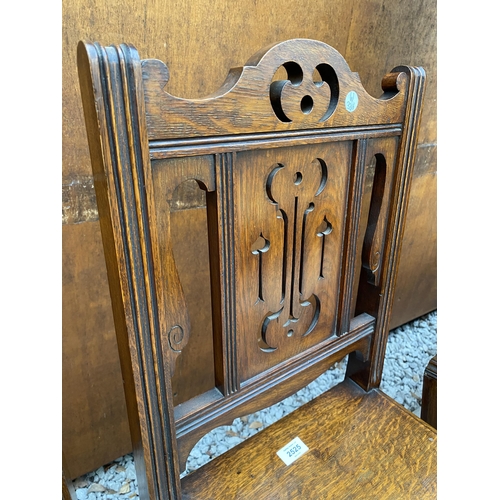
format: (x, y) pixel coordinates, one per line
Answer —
(409, 349)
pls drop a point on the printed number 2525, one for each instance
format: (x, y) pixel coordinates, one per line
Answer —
(291, 452)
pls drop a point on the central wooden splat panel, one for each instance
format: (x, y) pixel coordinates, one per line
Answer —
(290, 207)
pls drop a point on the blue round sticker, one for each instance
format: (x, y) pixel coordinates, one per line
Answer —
(351, 101)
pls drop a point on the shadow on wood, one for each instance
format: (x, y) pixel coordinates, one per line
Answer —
(429, 393)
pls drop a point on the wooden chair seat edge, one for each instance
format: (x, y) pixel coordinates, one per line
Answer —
(360, 439)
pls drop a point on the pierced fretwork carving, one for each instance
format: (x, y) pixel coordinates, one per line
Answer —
(313, 94)
(303, 94)
(375, 231)
(325, 228)
(291, 191)
(260, 246)
(289, 215)
(168, 176)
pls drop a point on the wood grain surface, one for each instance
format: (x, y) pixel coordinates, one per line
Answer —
(295, 291)
(416, 286)
(361, 445)
(374, 36)
(94, 417)
(307, 100)
(278, 241)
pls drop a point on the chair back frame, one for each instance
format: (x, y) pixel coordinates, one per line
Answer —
(298, 278)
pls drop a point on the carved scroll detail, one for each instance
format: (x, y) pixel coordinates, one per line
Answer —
(291, 191)
(302, 95)
(176, 338)
(297, 102)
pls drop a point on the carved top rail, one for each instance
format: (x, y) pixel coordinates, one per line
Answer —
(320, 91)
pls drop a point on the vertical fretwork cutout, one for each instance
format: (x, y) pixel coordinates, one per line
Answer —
(308, 210)
(282, 215)
(372, 245)
(291, 187)
(260, 246)
(324, 229)
(294, 252)
(194, 371)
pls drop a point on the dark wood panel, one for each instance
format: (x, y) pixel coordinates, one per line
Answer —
(297, 274)
(429, 394)
(416, 285)
(384, 34)
(95, 426)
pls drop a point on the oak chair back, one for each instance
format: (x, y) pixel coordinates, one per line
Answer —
(306, 179)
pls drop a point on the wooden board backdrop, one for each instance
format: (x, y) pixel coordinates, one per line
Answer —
(200, 40)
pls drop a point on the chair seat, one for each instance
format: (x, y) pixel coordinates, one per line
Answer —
(359, 443)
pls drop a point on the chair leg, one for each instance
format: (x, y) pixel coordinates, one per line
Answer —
(429, 394)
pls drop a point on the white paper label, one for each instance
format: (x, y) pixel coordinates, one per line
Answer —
(293, 450)
(351, 101)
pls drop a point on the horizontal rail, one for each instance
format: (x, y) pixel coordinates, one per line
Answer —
(209, 145)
